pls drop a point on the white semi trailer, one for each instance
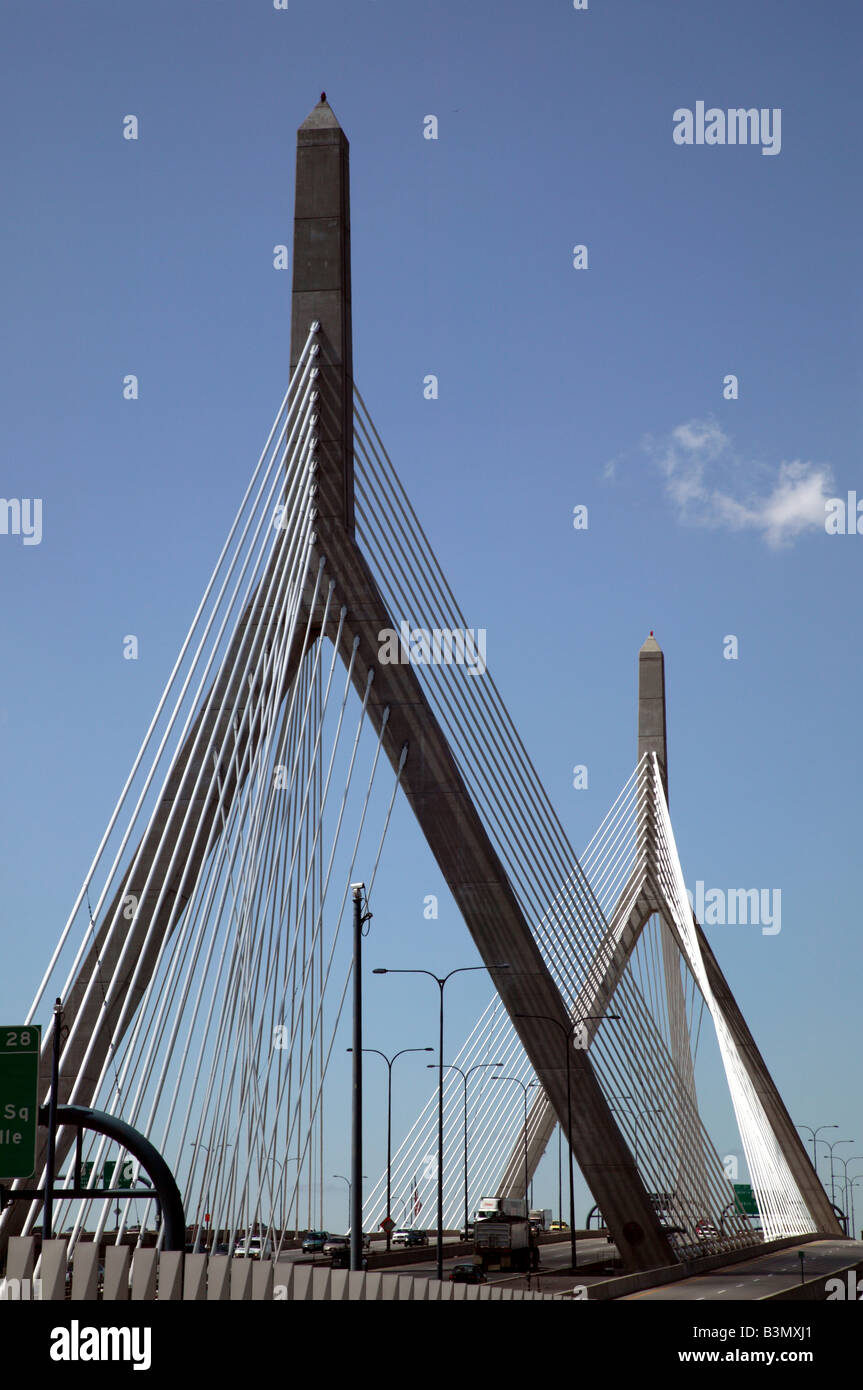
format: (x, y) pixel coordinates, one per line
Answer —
(501, 1206)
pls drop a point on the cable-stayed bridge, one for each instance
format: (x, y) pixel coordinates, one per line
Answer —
(327, 674)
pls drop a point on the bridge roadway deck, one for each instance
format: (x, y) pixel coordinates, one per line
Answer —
(549, 1279)
(776, 1274)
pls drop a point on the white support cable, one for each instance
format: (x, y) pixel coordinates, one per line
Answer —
(469, 759)
(152, 980)
(251, 892)
(528, 784)
(154, 917)
(114, 926)
(105, 946)
(244, 860)
(40, 991)
(345, 894)
(178, 704)
(644, 1140)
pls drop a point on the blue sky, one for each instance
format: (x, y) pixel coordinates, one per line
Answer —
(557, 387)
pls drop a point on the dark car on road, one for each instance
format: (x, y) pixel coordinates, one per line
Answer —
(341, 1259)
(313, 1241)
(467, 1274)
(407, 1238)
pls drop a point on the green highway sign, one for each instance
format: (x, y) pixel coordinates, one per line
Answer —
(745, 1199)
(19, 1099)
(86, 1170)
(123, 1178)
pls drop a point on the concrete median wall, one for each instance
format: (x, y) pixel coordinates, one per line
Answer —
(144, 1275)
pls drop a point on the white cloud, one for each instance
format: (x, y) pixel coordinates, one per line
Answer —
(702, 475)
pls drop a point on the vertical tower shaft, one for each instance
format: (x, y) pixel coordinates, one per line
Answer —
(651, 706)
(322, 292)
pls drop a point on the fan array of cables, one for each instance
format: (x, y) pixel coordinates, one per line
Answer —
(644, 1057)
(203, 969)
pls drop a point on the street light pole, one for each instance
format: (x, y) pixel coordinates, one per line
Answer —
(439, 1242)
(559, 1175)
(849, 1195)
(348, 1181)
(356, 1207)
(389, 1061)
(281, 1164)
(195, 1144)
(815, 1133)
(853, 1183)
(831, 1147)
(350, 1191)
(638, 1116)
(845, 1162)
(289, 1158)
(440, 981)
(568, 1034)
(450, 1066)
(626, 1110)
(525, 1088)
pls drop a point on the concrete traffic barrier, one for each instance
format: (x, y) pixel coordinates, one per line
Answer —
(118, 1261)
(52, 1270)
(218, 1278)
(144, 1266)
(195, 1279)
(85, 1272)
(171, 1276)
(241, 1279)
(21, 1257)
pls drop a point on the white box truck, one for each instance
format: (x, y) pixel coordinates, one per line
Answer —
(540, 1217)
(501, 1206)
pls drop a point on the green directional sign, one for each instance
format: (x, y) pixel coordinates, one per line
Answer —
(86, 1170)
(123, 1177)
(745, 1199)
(19, 1099)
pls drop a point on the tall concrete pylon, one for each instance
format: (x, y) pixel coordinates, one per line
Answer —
(322, 293)
(412, 738)
(652, 719)
(652, 737)
(643, 897)
(430, 777)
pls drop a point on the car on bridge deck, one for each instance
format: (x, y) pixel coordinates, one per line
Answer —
(408, 1237)
(333, 1245)
(313, 1241)
(558, 1226)
(342, 1259)
(705, 1230)
(467, 1274)
(253, 1247)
